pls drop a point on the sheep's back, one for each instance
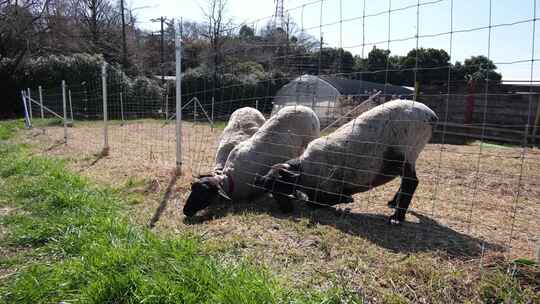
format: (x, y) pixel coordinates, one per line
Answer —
(282, 137)
(242, 124)
(355, 152)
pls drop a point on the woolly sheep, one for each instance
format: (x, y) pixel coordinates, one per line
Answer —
(242, 124)
(369, 151)
(284, 136)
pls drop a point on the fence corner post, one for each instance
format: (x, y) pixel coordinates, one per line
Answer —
(105, 150)
(64, 107)
(29, 96)
(178, 74)
(27, 121)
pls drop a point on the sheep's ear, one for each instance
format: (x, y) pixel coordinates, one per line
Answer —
(223, 195)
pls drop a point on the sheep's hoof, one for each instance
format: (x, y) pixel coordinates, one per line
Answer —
(394, 222)
(396, 219)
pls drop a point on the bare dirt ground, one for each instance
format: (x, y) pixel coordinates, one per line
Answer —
(475, 204)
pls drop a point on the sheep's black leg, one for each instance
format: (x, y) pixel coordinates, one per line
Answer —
(393, 203)
(409, 182)
(284, 202)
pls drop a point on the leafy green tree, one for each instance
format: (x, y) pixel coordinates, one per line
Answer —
(432, 66)
(480, 68)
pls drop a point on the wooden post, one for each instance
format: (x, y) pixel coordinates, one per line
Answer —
(416, 90)
(536, 121)
(469, 104)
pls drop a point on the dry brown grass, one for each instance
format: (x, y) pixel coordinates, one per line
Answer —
(475, 203)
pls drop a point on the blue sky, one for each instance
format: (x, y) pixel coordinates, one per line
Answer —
(508, 43)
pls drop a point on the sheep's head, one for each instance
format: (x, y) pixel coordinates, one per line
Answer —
(282, 182)
(206, 190)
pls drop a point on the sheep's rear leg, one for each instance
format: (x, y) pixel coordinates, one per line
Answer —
(409, 182)
(393, 203)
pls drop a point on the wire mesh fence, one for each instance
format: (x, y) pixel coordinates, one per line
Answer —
(479, 175)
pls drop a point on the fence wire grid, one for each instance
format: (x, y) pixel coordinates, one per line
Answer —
(479, 175)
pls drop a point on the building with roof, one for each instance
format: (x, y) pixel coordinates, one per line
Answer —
(331, 97)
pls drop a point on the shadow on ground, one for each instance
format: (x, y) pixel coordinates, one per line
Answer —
(421, 235)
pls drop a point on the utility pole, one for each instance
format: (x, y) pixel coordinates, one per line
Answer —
(320, 55)
(161, 51)
(124, 43)
(161, 20)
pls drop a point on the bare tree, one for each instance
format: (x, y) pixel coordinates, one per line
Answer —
(19, 25)
(216, 29)
(101, 22)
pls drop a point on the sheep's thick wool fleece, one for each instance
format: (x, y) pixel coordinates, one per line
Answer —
(284, 136)
(242, 124)
(354, 153)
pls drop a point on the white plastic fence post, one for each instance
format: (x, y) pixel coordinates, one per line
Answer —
(178, 53)
(105, 113)
(70, 106)
(27, 121)
(65, 110)
(40, 90)
(29, 96)
(121, 108)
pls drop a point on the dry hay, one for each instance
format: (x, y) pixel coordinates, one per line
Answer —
(473, 202)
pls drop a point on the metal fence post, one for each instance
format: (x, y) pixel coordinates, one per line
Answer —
(29, 97)
(70, 105)
(194, 112)
(40, 90)
(256, 104)
(65, 110)
(27, 121)
(212, 113)
(178, 55)
(166, 107)
(121, 108)
(105, 150)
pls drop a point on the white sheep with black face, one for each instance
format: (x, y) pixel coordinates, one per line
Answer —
(242, 124)
(369, 151)
(284, 136)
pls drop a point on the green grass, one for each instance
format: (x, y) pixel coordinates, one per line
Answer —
(69, 241)
(9, 127)
(65, 239)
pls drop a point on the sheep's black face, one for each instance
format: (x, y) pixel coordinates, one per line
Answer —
(204, 192)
